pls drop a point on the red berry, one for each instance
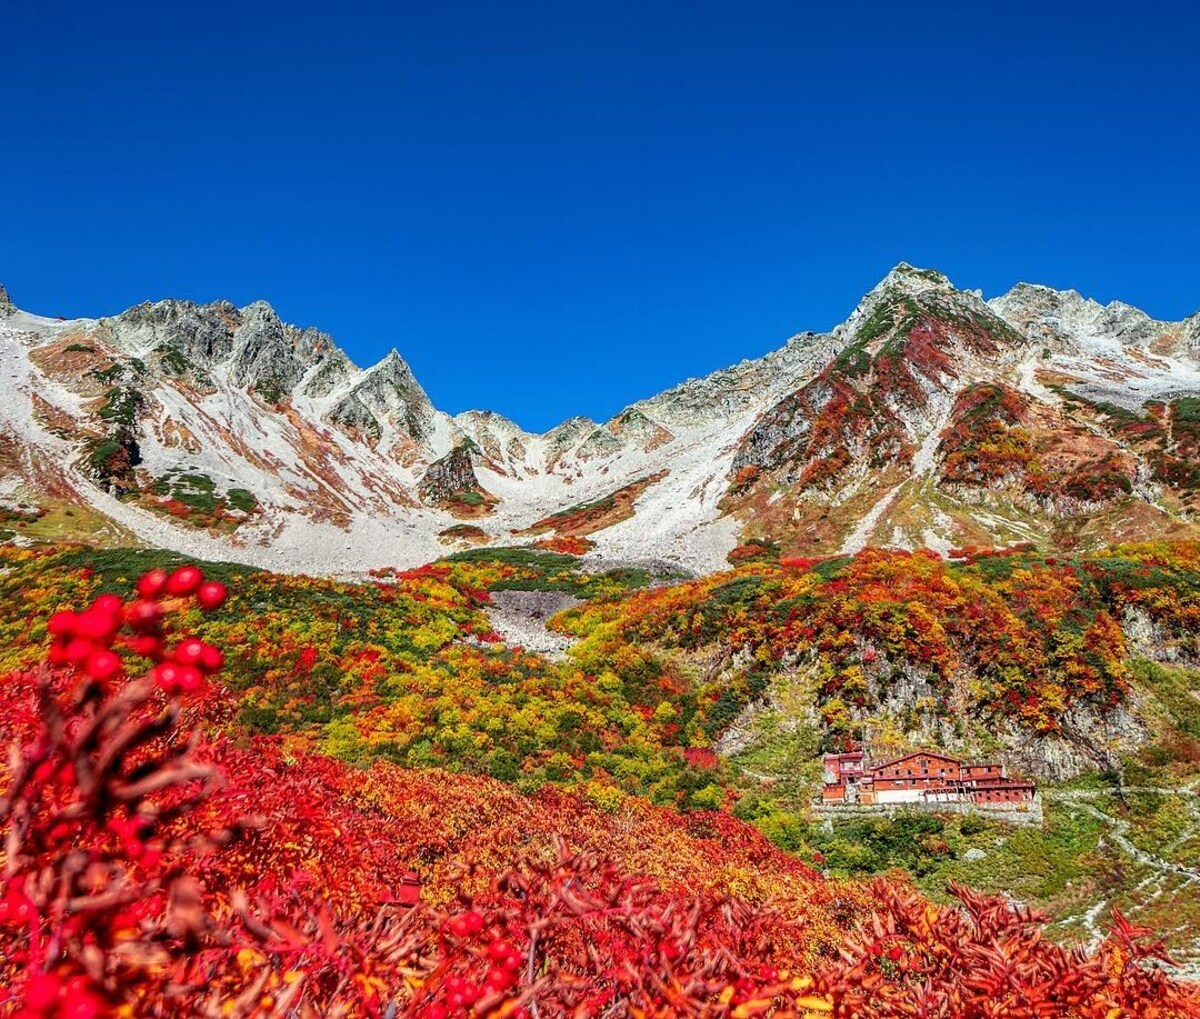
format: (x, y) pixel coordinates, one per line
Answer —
(211, 659)
(185, 580)
(500, 949)
(498, 977)
(190, 679)
(78, 650)
(97, 626)
(103, 666)
(188, 651)
(58, 653)
(109, 604)
(211, 595)
(166, 676)
(145, 615)
(152, 584)
(62, 624)
(895, 952)
(474, 921)
(42, 991)
(147, 646)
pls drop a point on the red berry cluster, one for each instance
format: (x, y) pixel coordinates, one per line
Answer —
(503, 961)
(87, 639)
(51, 996)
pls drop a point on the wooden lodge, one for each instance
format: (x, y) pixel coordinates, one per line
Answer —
(923, 776)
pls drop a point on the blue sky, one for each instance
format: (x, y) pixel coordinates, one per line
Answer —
(559, 208)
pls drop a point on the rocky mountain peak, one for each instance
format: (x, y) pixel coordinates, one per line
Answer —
(909, 279)
(909, 298)
(1066, 316)
(386, 402)
(1003, 409)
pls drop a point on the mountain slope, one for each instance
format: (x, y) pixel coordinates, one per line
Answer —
(929, 418)
(946, 421)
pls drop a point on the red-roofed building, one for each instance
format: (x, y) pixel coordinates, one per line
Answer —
(924, 776)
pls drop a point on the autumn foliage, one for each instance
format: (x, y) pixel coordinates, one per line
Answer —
(150, 869)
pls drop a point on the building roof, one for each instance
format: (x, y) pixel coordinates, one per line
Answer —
(915, 753)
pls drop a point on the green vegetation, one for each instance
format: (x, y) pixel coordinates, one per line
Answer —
(195, 498)
(122, 407)
(1177, 689)
(269, 390)
(195, 490)
(241, 499)
(529, 569)
(172, 359)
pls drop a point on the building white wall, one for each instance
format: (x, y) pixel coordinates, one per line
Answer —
(899, 795)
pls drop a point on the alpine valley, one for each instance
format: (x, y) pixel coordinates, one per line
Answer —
(462, 720)
(929, 418)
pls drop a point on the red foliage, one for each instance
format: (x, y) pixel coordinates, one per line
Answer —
(150, 873)
(567, 544)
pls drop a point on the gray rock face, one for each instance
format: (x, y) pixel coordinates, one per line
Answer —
(264, 351)
(333, 373)
(6, 305)
(202, 333)
(452, 474)
(781, 434)
(635, 427)
(503, 442)
(1057, 317)
(389, 396)
(599, 444)
(563, 438)
(256, 349)
(252, 343)
(739, 389)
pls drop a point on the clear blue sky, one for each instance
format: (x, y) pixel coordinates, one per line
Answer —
(559, 208)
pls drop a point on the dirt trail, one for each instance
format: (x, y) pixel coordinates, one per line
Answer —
(1166, 877)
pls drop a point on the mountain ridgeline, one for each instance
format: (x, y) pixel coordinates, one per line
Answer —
(929, 418)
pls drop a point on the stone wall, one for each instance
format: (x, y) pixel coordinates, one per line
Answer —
(830, 812)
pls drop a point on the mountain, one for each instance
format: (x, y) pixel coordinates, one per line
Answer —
(930, 417)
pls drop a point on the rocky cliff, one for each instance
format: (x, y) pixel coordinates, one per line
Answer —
(930, 417)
